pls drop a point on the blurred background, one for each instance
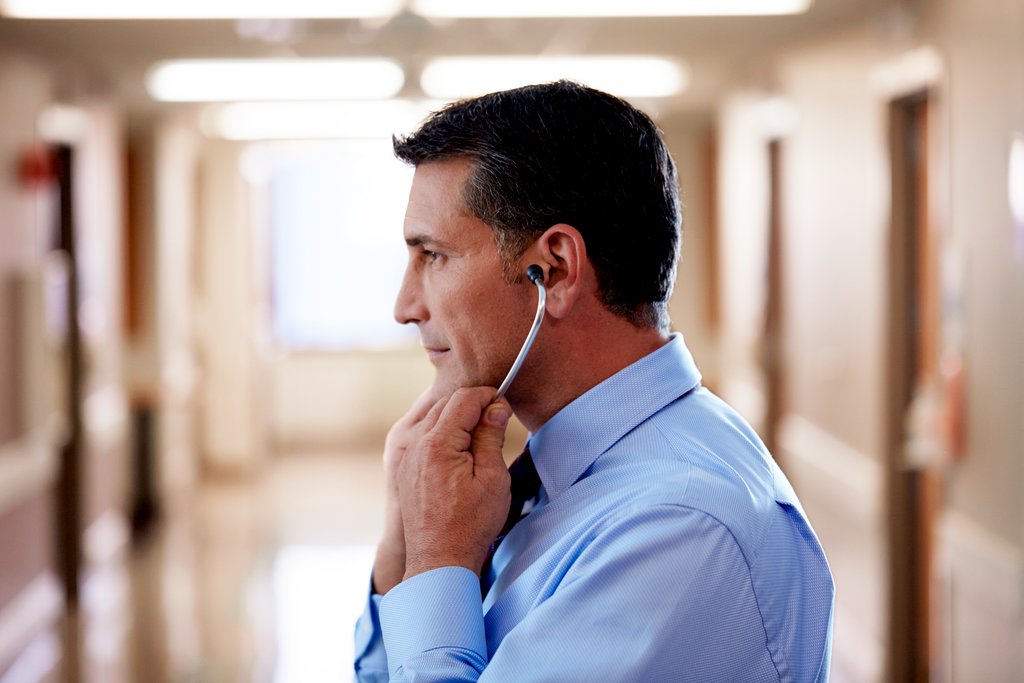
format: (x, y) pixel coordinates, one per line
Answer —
(200, 242)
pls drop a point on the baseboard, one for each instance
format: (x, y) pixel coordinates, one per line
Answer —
(34, 611)
(37, 661)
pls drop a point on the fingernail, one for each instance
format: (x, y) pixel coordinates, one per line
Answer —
(498, 415)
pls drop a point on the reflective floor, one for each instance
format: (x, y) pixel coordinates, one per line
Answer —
(260, 580)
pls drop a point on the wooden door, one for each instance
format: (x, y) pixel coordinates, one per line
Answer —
(912, 482)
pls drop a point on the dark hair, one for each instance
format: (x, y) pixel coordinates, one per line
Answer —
(565, 153)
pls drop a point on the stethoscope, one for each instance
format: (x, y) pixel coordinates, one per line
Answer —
(536, 276)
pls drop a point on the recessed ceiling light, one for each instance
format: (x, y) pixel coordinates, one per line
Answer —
(626, 76)
(198, 9)
(605, 8)
(232, 80)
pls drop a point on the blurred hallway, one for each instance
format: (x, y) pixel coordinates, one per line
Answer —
(198, 363)
(263, 580)
(259, 581)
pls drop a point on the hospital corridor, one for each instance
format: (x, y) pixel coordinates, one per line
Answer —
(201, 247)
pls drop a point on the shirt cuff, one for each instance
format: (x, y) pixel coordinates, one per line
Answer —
(440, 608)
(370, 654)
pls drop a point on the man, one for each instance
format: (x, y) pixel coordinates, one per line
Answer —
(658, 540)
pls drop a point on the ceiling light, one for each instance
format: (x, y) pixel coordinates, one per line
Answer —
(230, 80)
(605, 8)
(198, 9)
(456, 77)
(313, 120)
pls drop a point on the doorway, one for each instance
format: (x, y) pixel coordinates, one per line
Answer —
(69, 498)
(913, 483)
(773, 348)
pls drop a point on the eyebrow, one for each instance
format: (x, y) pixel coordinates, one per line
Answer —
(424, 241)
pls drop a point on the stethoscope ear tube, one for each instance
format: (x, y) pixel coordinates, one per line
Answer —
(536, 276)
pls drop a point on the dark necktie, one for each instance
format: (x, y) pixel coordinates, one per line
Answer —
(525, 483)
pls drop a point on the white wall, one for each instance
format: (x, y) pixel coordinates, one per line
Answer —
(343, 400)
(233, 426)
(25, 92)
(174, 366)
(743, 196)
(690, 139)
(836, 221)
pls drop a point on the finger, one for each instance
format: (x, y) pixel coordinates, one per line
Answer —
(432, 416)
(489, 435)
(422, 405)
(462, 413)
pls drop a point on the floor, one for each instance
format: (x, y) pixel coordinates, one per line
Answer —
(259, 581)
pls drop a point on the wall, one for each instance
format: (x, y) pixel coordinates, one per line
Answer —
(176, 368)
(30, 591)
(35, 318)
(833, 224)
(343, 401)
(983, 531)
(743, 200)
(233, 430)
(690, 138)
(835, 178)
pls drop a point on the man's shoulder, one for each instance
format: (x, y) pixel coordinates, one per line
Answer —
(697, 454)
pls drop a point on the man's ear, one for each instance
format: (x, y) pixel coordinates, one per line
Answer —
(562, 253)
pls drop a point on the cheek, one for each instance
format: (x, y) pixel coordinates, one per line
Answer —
(484, 329)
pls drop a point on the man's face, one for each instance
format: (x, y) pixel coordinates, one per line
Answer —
(471, 321)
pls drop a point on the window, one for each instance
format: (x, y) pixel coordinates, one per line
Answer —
(337, 254)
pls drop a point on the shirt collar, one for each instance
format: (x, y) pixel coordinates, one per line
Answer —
(569, 443)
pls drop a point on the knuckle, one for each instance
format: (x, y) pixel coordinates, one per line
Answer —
(431, 443)
(462, 394)
(473, 394)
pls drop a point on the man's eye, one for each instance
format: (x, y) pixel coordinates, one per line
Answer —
(431, 256)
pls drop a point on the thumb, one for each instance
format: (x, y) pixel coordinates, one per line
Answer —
(489, 434)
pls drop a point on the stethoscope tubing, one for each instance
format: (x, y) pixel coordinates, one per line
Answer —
(542, 298)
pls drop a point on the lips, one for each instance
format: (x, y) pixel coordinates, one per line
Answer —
(435, 352)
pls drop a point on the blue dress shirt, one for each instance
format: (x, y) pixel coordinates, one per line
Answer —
(666, 545)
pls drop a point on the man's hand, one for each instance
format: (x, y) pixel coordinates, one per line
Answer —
(453, 484)
(389, 565)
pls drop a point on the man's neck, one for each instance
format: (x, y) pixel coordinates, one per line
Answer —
(571, 362)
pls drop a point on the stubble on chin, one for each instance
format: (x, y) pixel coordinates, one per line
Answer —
(445, 384)
(443, 387)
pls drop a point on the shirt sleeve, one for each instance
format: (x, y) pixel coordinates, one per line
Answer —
(659, 594)
(371, 660)
(434, 627)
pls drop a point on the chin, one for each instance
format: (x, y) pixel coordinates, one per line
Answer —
(449, 383)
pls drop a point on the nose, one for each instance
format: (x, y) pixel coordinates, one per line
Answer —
(409, 305)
